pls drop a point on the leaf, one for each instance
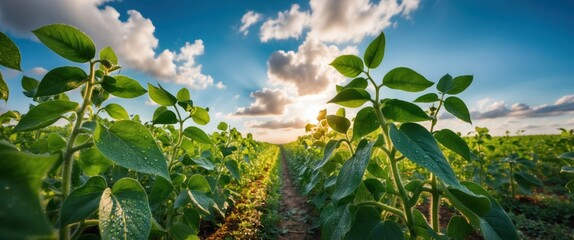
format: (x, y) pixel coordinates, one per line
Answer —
(419, 146)
(327, 153)
(428, 98)
(567, 169)
(375, 52)
(458, 228)
(83, 201)
(199, 200)
(67, 41)
(359, 82)
(526, 180)
(93, 163)
(183, 95)
(9, 53)
(200, 116)
(29, 84)
(196, 134)
(570, 186)
(21, 176)
(348, 65)
(56, 142)
(338, 123)
(117, 112)
(108, 54)
(352, 171)
(198, 183)
(456, 107)
(45, 114)
(365, 122)
(567, 156)
(61, 80)
(161, 96)
(460, 84)
(445, 84)
(405, 79)
(122, 86)
(454, 142)
(180, 231)
(351, 97)
(131, 145)
(160, 191)
(402, 111)
(124, 211)
(164, 116)
(338, 223)
(233, 168)
(4, 90)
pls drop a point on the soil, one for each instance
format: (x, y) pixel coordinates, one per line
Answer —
(294, 208)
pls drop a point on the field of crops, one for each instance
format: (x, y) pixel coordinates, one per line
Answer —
(385, 173)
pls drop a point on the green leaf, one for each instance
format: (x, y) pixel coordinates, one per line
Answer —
(341, 112)
(183, 95)
(233, 168)
(164, 116)
(200, 200)
(45, 114)
(204, 163)
(192, 218)
(222, 126)
(108, 54)
(117, 112)
(198, 183)
(131, 145)
(365, 122)
(124, 211)
(338, 123)
(458, 228)
(21, 176)
(327, 153)
(29, 84)
(61, 80)
(83, 201)
(570, 186)
(122, 86)
(567, 156)
(418, 145)
(161, 96)
(93, 163)
(348, 65)
(456, 107)
(4, 91)
(527, 181)
(56, 142)
(402, 111)
(454, 142)
(180, 231)
(200, 116)
(160, 191)
(460, 84)
(464, 199)
(405, 79)
(567, 169)
(9, 53)
(428, 98)
(445, 84)
(338, 223)
(351, 97)
(352, 171)
(196, 134)
(67, 41)
(375, 52)
(359, 82)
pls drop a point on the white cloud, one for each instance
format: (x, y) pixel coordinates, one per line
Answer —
(133, 40)
(248, 19)
(488, 108)
(40, 71)
(307, 69)
(267, 102)
(288, 24)
(220, 85)
(295, 123)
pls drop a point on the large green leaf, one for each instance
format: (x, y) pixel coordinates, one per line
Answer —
(460, 84)
(348, 65)
(456, 107)
(4, 90)
(124, 211)
(122, 86)
(161, 96)
(200, 116)
(60, 80)
(164, 116)
(117, 112)
(233, 168)
(45, 114)
(21, 175)
(197, 135)
(351, 97)
(567, 169)
(180, 231)
(458, 228)
(109, 55)
(375, 52)
(160, 191)
(327, 152)
(353, 170)
(526, 181)
(454, 142)
(337, 222)
(29, 84)
(9, 53)
(417, 144)
(445, 84)
(93, 163)
(428, 98)
(369, 226)
(405, 79)
(402, 111)
(83, 201)
(365, 122)
(67, 41)
(338, 123)
(359, 82)
(198, 183)
(183, 95)
(131, 145)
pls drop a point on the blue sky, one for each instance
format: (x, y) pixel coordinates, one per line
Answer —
(262, 67)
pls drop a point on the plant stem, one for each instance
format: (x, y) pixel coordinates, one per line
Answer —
(68, 154)
(385, 207)
(435, 199)
(512, 180)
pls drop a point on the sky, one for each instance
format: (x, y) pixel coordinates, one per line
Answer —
(262, 66)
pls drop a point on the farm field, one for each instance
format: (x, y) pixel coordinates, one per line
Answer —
(120, 141)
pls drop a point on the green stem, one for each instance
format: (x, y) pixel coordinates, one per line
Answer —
(435, 199)
(68, 154)
(512, 180)
(385, 207)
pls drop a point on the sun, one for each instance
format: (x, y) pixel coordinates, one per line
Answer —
(309, 113)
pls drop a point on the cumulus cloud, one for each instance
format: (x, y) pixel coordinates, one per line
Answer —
(288, 24)
(133, 39)
(248, 19)
(267, 102)
(294, 123)
(40, 71)
(307, 69)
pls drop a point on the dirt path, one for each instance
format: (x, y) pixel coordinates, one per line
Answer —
(294, 208)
